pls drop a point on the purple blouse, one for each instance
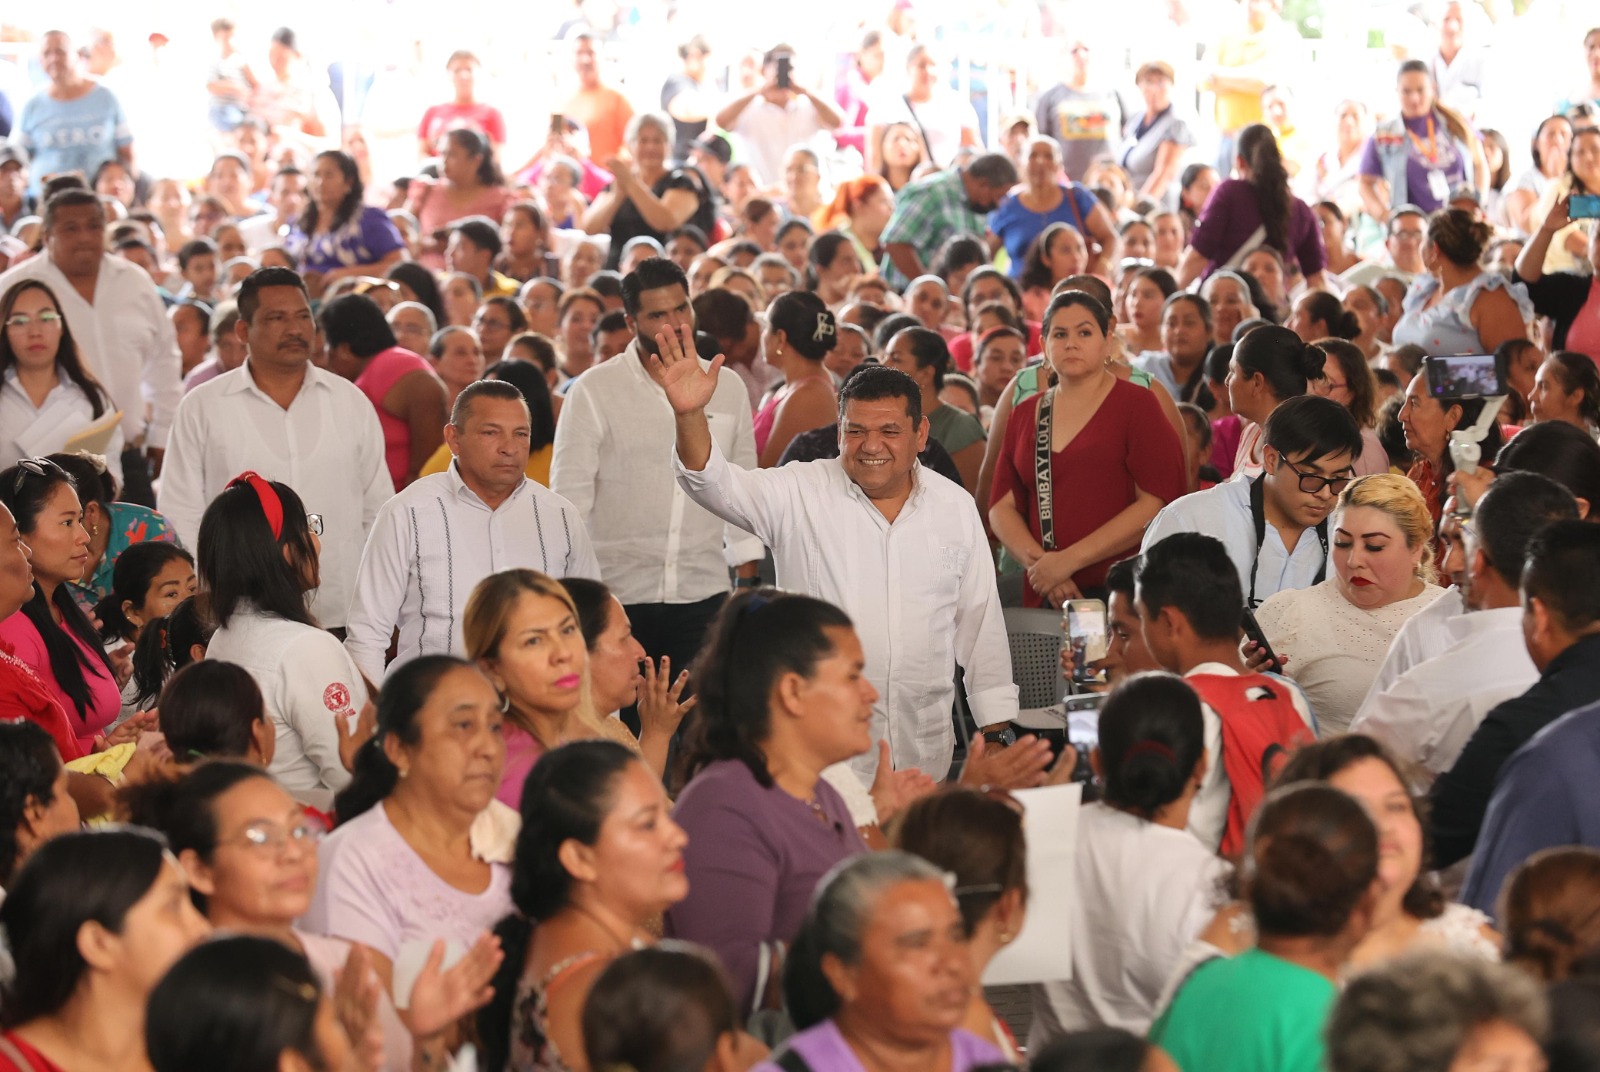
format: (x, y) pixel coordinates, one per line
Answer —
(1233, 213)
(754, 858)
(367, 238)
(824, 1048)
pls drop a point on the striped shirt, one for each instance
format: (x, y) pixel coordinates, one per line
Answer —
(430, 546)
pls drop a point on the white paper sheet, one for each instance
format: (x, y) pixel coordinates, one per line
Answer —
(1043, 951)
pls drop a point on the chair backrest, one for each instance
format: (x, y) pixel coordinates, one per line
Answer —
(1035, 636)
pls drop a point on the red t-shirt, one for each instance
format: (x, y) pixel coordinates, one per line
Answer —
(33, 1060)
(961, 346)
(24, 695)
(441, 119)
(1127, 445)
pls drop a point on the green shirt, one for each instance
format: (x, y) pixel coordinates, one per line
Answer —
(955, 429)
(1251, 1013)
(927, 212)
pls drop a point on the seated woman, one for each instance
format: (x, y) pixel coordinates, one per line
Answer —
(1319, 315)
(51, 634)
(1146, 886)
(976, 838)
(598, 859)
(168, 645)
(469, 184)
(218, 819)
(338, 235)
(799, 334)
(258, 559)
(1310, 878)
(1042, 199)
(881, 973)
(119, 892)
(37, 804)
(1348, 380)
(1142, 304)
(150, 580)
(780, 698)
(1428, 422)
(1412, 913)
(1056, 254)
(1231, 304)
(665, 1009)
(1567, 388)
(1458, 307)
(544, 686)
(1547, 910)
(1270, 365)
(1179, 365)
(47, 395)
(1570, 299)
(525, 238)
(214, 710)
(526, 377)
(923, 355)
(1439, 1011)
(400, 872)
(1113, 459)
(1337, 633)
(113, 526)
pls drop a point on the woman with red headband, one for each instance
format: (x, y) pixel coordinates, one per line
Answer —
(258, 559)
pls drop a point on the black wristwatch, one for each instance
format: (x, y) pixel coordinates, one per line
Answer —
(1006, 737)
(747, 582)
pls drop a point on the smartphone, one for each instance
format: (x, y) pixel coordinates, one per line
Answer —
(1465, 376)
(1583, 207)
(1083, 731)
(558, 124)
(785, 69)
(1087, 630)
(1252, 630)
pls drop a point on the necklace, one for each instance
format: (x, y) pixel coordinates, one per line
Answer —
(621, 941)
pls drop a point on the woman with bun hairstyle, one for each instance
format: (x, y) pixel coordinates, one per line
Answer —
(1319, 315)
(1567, 388)
(1348, 380)
(1548, 910)
(1146, 886)
(1270, 365)
(799, 334)
(1310, 879)
(1458, 307)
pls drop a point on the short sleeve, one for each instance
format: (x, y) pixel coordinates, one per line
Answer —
(495, 126)
(962, 433)
(1007, 479)
(1179, 132)
(379, 235)
(352, 901)
(1155, 457)
(1370, 164)
(1085, 200)
(1211, 231)
(1309, 250)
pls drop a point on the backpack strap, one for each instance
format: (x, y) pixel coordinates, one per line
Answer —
(791, 1061)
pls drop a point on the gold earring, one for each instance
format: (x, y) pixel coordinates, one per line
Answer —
(1005, 937)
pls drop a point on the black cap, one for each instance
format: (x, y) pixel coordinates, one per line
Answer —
(480, 231)
(716, 145)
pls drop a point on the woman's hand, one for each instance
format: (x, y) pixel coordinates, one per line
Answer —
(351, 738)
(440, 998)
(122, 664)
(894, 790)
(1558, 216)
(151, 759)
(1051, 576)
(355, 1003)
(128, 730)
(660, 711)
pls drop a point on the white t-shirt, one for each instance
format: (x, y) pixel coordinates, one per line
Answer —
(942, 117)
(1143, 893)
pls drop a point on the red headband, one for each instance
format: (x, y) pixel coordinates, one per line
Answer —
(271, 505)
(1147, 747)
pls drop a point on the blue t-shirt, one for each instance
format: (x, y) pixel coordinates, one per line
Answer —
(1017, 226)
(73, 135)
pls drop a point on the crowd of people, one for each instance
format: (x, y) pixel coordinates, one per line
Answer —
(560, 617)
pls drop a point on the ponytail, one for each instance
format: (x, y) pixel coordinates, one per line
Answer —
(1258, 148)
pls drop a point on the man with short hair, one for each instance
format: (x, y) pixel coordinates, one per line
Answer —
(931, 209)
(1275, 527)
(74, 123)
(1560, 595)
(15, 200)
(433, 542)
(464, 111)
(408, 397)
(899, 549)
(473, 245)
(611, 336)
(771, 119)
(1086, 120)
(1190, 606)
(1407, 233)
(662, 555)
(1126, 653)
(1431, 710)
(119, 324)
(281, 416)
(286, 200)
(603, 111)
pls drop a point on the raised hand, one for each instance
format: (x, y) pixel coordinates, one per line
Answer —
(676, 368)
(355, 1003)
(659, 707)
(894, 790)
(353, 736)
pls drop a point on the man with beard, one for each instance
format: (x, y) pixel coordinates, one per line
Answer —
(282, 417)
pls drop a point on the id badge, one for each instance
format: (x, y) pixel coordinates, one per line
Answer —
(1438, 186)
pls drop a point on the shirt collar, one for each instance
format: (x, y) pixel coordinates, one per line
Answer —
(1220, 669)
(246, 381)
(459, 488)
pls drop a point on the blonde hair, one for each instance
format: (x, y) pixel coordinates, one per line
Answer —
(1398, 497)
(487, 619)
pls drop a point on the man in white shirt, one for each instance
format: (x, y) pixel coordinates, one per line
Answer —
(433, 542)
(286, 200)
(1430, 712)
(899, 548)
(1408, 230)
(281, 416)
(120, 326)
(770, 121)
(1275, 527)
(665, 558)
(1187, 595)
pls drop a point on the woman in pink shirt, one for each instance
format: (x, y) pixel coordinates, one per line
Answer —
(469, 184)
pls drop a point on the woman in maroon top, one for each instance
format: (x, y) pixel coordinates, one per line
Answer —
(1114, 462)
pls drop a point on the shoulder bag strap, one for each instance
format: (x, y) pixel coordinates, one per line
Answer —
(1077, 216)
(1041, 471)
(791, 1061)
(922, 132)
(1251, 244)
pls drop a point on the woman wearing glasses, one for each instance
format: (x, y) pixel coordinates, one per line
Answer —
(46, 394)
(258, 559)
(250, 851)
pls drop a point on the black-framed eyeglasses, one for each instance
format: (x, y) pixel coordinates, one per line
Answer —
(314, 523)
(37, 467)
(1312, 483)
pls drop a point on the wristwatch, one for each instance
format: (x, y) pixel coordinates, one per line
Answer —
(747, 582)
(1006, 737)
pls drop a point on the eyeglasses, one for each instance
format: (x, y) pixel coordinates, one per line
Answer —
(38, 467)
(48, 318)
(1312, 483)
(270, 837)
(314, 523)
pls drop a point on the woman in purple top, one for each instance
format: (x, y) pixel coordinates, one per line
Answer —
(881, 973)
(781, 696)
(339, 235)
(1256, 209)
(1422, 156)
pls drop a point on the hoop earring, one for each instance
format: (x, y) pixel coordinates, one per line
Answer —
(505, 703)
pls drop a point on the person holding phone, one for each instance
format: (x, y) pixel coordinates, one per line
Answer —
(1571, 299)
(771, 119)
(1085, 466)
(1580, 187)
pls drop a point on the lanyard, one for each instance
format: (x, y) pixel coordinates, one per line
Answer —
(1258, 514)
(1432, 152)
(1041, 471)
